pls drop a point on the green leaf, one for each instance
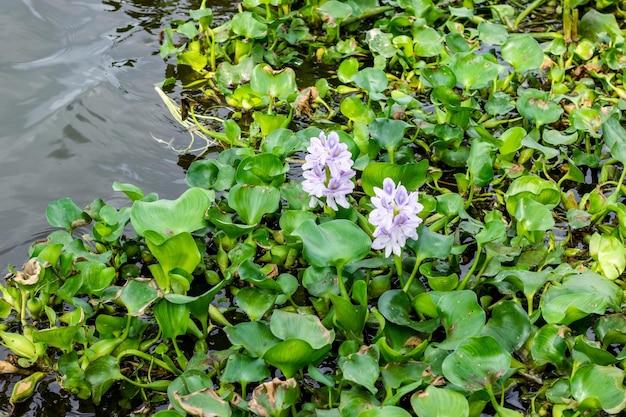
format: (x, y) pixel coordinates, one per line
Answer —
(509, 324)
(615, 137)
(372, 80)
(430, 244)
(178, 252)
(305, 327)
(65, 213)
(523, 53)
(479, 162)
(292, 355)
(439, 402)
(254, 336)
(412, 176)
(101, 374)
(262, 169)
(336, 242)
(253, 202)
(210, 174)
(610, 254)
(473, 71)
(255, 302)
(595, 26)
(59, 337)
(243, 369)
(428, 42)
(601, 384)
(171, 217)
(275, 84)
(461, 317)
(579, 296)
(537, 106)
(388, 133)
(476, 363)
(137, 295)
(549, 345)
(248, 25)
(172, 318)
(362, 367)
(354, 109)
(384, 411)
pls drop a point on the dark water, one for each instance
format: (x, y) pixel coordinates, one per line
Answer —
(77, 111)
(78, 108)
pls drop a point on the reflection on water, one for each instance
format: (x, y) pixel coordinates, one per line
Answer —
(78, 108)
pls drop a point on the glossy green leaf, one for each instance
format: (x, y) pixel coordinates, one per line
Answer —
(101, 374)
(243, 369)
(275, 84)
(305, 327)
(476, 363)
(610, 254)
(461, 317)
(594, 25)
(336, 243)
(255, 337)
(172, 318)
(428, 42)
(137, 295)
(601, 384)
(372, 80)
(388, 133)
(615, 137)
(523, 53)
(210, 174)
(430, 244)
(479, 162)
(509, 324)
(171, 217)
(578, 296)
(246, 24)
(177, 252)
(59, 337)
(262, 169)
(412, 176)
(255, 302)
(253, 202)
(538, 107)
(292, 355)
(362, 367)
(473, 71)
(65, 213)
(439, 402)
(354, 109)
(384, 411)
(536, 188)
(587, 351)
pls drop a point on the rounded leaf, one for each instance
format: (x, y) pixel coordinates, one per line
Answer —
(476, 363)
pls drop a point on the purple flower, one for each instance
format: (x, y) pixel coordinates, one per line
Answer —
(328, 171)
(395, 217)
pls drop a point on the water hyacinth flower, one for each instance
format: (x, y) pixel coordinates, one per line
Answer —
(395, 217)
(328, 172)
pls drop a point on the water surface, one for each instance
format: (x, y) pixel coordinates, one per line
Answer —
(78, 109)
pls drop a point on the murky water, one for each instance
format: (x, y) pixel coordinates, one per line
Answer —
(78, 108)
(77, 112)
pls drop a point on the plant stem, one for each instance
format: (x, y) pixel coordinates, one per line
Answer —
(342, 287)
(374, 11)
(528, 10)
(463, 283)
(143, 355)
